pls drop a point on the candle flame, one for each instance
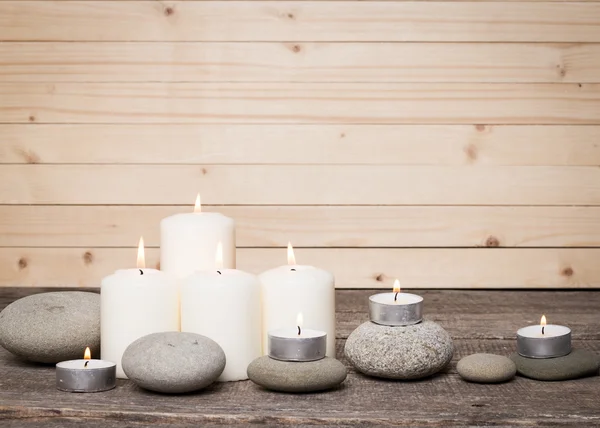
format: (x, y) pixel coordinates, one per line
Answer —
(197, 205)
(290, 254)
(141, 259)
(219, 256)
(543, 321)
(396, 286)
(87, 355)
(299, 322)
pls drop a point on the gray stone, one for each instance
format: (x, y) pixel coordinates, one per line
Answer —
(287, 376)
(579, 363)
(52, 327)
(410, 352)
(173, 362)
(486, 368)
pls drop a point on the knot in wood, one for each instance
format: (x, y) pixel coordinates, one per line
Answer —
(169, 11)
(22, 263)
(480, 127)
(568, 271)
(492, 241)
(88, 257)
(296, 48)
(32, 118)
(291, 16)
(380, 277)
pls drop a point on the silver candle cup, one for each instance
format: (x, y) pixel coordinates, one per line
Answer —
(555, 342)
(76, 376)
(408, 310)
(310, 345)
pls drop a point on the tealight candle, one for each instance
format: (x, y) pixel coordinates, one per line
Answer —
(396, 308)
(297, 344)
(86, 375)
(544, 340)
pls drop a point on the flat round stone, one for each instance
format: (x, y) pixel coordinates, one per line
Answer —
(52, 327)
(289, 376)
(486, 368)
(410, 352)
(173, 362)
(579, 363)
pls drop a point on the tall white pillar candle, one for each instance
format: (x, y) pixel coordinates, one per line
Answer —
(291, 289)
(224, 305)
(134, 303)
(188, 241)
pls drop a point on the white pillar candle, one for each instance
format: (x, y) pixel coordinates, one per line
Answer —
(292, 289)
(224, 305)
(188, 241)
(135, 303)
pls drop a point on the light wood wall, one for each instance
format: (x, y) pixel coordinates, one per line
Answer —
(449, 144)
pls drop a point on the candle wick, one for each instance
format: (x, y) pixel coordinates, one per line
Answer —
(141, 272)
(293, 270)
(86, 363)
(219, 272)
(395, 297)
(299, 331)
(543, 329)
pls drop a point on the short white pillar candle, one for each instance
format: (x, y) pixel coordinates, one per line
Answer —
(135, 303)
(292, 289)
(188, 241)
(224, 305)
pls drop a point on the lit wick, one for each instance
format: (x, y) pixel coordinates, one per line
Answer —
(396, 298)
(543, 323)
(86, 363)
(293, 270)
(299, 331)
(219, 272)
(396, 290)
(141, 272)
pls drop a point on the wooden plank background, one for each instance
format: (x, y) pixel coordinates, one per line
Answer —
(450, 144)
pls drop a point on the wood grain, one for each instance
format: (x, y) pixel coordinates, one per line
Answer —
(311, 226)
(548, 145)
(299, 21)
(299, 62)
(411, 103)
(298, 185)
(353, 268)
(29, 397)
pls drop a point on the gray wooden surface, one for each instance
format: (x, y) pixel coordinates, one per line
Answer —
(480, 321)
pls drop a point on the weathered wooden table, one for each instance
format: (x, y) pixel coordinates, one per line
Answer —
(479, 321)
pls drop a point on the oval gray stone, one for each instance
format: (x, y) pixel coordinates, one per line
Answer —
(410, 352)
(173, 362)
(290, 376)
(486, 368)
(52, 327)
(579, 363)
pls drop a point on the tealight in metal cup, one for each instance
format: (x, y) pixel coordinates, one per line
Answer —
(544, 347)
(85, 380)
(395, 315)
(297, 348)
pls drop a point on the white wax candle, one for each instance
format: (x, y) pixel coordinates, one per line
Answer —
(135, 305)
(80, 364)
(551, 330)
(403, 298)
(290, 333)
(225, 307)
(188, 242)
(292, 289)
